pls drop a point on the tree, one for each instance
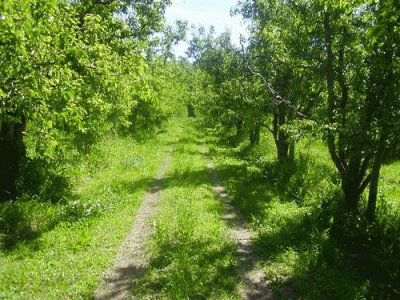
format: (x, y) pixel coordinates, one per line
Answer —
(68, 67)
(363, 102)
(172, 35)
(280, 55)
(236, 105)
(337, 64)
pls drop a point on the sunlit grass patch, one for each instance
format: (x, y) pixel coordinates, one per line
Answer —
(193, 256)
(69, 244)
(390, 183)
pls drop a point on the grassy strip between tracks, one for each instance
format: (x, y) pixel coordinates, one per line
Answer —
(193, 256)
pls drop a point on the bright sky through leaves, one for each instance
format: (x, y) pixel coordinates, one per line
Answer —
(206, 13)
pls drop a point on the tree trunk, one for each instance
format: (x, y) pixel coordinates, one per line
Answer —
(239, 129)
(12, 150)
(351, 180)
(280, 137)
(292, 151)
(351, 195)
(255, 136)
(354, 182)
(330, 84)
(373, 187)
(282, 147)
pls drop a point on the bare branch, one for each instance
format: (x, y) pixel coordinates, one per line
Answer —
(278, 98)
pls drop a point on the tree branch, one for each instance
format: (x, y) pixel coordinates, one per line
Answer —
(278, 98)
(364, 184)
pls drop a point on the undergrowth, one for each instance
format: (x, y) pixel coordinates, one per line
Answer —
(308, 244)
(59, 249)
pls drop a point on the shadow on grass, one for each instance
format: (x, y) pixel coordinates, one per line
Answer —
(194, 139)
(294, 233)
(190, 270)
(21, 229)
(17, 228)
(301, 254)
(121, 283)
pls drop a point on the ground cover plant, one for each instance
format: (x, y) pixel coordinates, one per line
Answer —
(61, 249)
(301, 119)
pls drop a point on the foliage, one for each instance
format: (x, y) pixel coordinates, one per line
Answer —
(76, 73)
(311, 62)
(69, 68)
(361, 107)
(168, 84)
(235, 104)
(172, 35)
(281, 54)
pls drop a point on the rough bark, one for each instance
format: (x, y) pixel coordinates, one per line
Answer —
(282, 141)
(282, 147)
(351, 192)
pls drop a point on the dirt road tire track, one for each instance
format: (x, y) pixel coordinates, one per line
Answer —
(254, 284)
(132, 259)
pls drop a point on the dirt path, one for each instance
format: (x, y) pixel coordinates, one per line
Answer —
(132, 259)
(255, 286)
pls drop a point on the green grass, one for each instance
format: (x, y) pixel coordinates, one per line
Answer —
(192, 254)
(62, 249)
(389, 185)
(59, 250)
(292, 209)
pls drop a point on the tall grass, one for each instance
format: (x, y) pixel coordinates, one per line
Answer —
(193, 256)
(59, 250)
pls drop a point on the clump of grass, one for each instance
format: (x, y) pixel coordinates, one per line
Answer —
(193, 256)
